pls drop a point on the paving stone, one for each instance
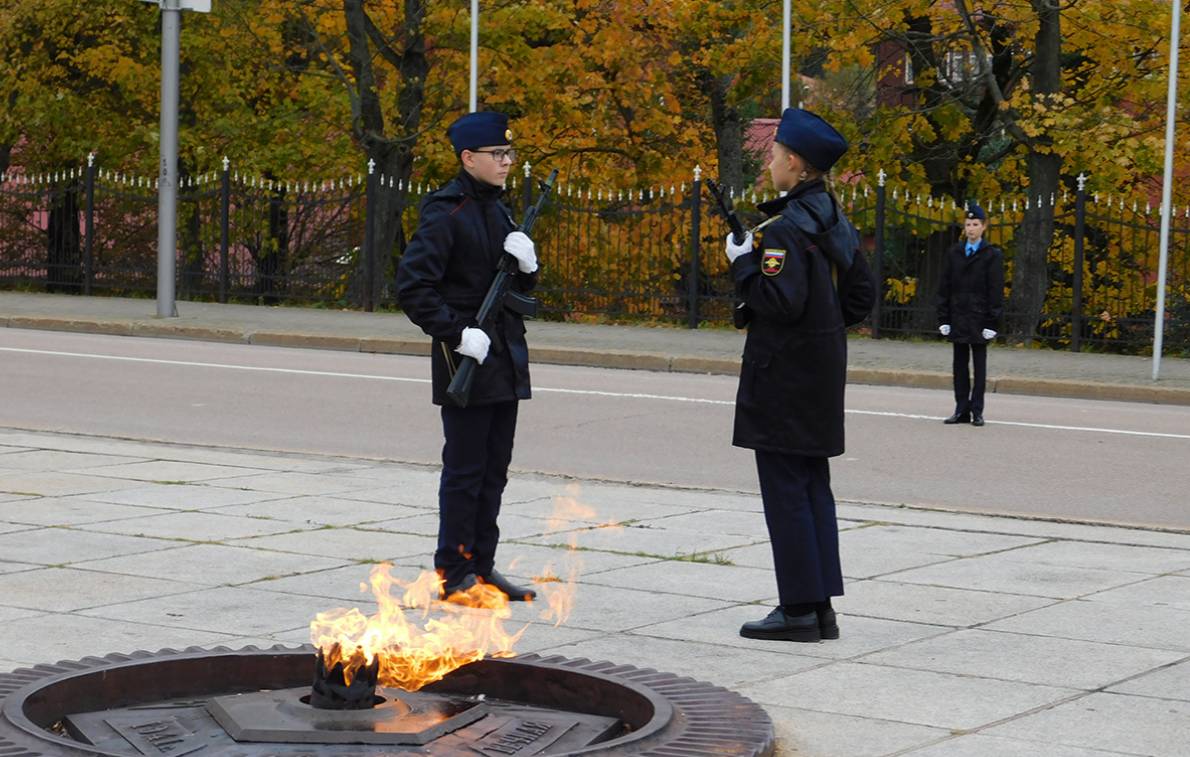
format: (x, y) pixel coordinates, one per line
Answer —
(999, 574)
(1015, 526)
(58, 460)
(345, 544)
(907, 696)
(660, 542)
(717, 664)
(980, 745)
(184, 496)
(806, 733)
(708, 580)
(15, 497)
(858, 635)
(547, 639)
(532, 559)
(1081, 554)
(168, 470)
(1066, 663)
(322, 511)
(1164, 591)
(604, 608)
(735, 522)
(421, 494)
(856, 563)
(225, 610)
(928, 541)
(1129, 724)
(915, 603)
(1154, 627)
(344, 583)
(54, 484)
(61, 546)
(7, 527)
(14, 567)
(67, 589)
(198, 526)
(50, 638)
(511, 526)
(1169, 682)
(12, 613)
(213, 564)
(70, 511)
(295, 483)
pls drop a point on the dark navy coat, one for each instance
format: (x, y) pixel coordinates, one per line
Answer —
(971, 292)
(790, 397)
(442, 279)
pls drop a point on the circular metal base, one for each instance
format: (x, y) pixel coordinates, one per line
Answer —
(161, 703)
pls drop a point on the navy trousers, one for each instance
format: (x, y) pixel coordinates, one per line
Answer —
(968, 398)
(475, 462)
(800, 511)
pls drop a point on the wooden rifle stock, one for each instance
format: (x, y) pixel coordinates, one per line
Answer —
(459, 390)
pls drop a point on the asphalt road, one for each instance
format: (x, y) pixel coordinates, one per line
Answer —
(1076, 459)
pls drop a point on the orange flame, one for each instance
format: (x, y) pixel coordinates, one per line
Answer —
(441, 637)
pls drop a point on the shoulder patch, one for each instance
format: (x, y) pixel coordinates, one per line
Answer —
(772, 261)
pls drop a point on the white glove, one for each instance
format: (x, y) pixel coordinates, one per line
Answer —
(520, 246)
(474, 343)
(735, 250)
(944, 329)
(988, 334)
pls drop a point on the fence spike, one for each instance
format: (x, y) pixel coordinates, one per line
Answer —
(1014, 206)
(1134, 206)
(1026, 202)
(1051, 199)
(1148, 208)
(880, 177)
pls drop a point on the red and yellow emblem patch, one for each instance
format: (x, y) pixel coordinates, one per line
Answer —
(772, 262)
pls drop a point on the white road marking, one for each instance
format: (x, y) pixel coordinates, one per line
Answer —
(556, 390)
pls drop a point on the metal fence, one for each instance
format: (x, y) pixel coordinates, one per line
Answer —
(652, 254)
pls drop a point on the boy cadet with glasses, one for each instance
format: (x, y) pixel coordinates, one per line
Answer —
(446, 270)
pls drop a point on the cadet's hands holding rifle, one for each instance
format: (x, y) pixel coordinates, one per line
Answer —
(474, 343)
(520, 246)
(734, 250)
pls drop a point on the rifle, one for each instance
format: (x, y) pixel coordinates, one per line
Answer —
(741, 314)
(499, 295)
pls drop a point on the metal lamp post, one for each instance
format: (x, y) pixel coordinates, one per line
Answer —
(167, 173)
(1167, 186)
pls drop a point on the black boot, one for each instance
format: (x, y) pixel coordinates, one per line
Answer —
(466, 582)
(781, 626)
(958, 418)
(515, 593)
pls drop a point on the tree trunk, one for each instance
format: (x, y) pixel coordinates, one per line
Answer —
(63, 248)
(729, 133)
(1030, 274)
(391, 153)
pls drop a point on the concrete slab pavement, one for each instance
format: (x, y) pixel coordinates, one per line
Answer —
(925, 364)
(961, 634)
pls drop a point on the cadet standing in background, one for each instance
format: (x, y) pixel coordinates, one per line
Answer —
(970, 304)
(804, 284)
(447, 268)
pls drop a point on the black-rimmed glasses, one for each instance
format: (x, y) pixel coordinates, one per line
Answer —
(500, 154)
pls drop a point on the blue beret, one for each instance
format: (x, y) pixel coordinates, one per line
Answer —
(482, 129)
(974, 211)
(811, 137)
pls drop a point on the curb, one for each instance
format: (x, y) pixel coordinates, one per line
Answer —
(622, 359)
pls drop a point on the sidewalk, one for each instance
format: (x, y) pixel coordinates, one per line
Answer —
(872, 361)
(962, 635)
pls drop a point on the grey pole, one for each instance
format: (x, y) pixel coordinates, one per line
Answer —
(474, 55)
(787, 20)
(167, 176)
(1167, 186)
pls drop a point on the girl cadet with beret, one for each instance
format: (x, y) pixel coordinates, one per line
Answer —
(463, 231)
(803, 284)
(970, 304)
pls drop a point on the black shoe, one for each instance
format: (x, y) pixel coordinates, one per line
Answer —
(779, 626)
(828, 624)
(958, 418)
(468, 581)
(977, 420)
(515, 593)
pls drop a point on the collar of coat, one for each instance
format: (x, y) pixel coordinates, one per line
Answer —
(466, 185)
(774, 207)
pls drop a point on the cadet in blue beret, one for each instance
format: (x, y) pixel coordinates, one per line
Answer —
(970, 304)
(462, 232)
(803, 285)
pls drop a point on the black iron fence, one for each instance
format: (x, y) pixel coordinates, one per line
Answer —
(653, 254)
